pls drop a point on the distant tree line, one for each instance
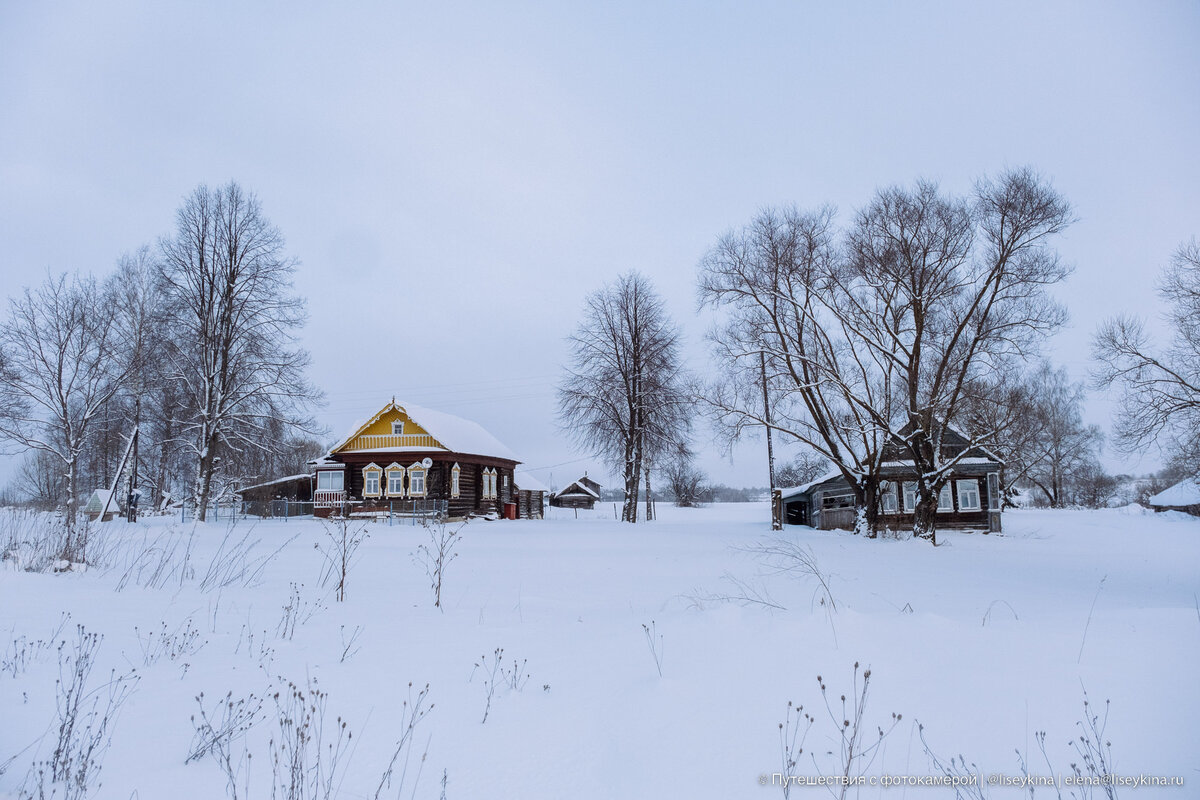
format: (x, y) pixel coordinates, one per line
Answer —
(191, 341)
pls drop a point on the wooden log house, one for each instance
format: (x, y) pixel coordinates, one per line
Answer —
(582, 493)
(406, 456)
(970, 498)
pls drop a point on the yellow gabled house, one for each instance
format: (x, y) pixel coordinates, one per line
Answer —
(406, 456)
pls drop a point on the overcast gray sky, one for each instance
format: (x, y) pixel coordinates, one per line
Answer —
(462, 175)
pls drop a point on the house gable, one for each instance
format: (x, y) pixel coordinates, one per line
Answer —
(377, 433)
(423, 429)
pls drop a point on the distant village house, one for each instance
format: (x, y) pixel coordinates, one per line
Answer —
(582, 493)
(970, 498)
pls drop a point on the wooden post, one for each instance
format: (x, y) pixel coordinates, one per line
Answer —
(995, 502)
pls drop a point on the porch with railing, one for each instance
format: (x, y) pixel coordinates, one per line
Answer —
(329, 499)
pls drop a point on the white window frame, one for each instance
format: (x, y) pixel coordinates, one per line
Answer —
(946, 493)
(910, 496)
(415, 471)
(970, 487)
(369, 471)
(330, 473)
(395, 469)
(455, 477)
(888, 491)
(397, 427)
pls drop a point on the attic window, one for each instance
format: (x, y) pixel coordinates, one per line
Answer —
(397, 427)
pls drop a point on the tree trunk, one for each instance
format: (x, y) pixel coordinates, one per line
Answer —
(925, 516)
(867, 521)
(649, 505)
(208, 460)
(629, 506)
(71, 518)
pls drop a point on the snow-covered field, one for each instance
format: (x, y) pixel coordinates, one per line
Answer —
(984, 641)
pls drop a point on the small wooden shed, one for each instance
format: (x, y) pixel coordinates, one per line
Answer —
(95, 506)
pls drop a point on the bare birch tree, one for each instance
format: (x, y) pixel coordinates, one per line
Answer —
(622, 396)
(233, 353)
(1159, 386)
(63, 364)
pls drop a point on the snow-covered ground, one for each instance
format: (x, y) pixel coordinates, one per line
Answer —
(984, 641)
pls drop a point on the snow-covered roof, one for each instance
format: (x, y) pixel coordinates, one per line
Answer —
(457, 434)
(796, 490)
(969, 460)
(264, 484)
(585, 490)
(97, 500)
(526, 481)
(326, 461)
(1184, 493)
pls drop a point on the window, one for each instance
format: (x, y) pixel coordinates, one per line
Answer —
(910, 497)
(398, 427)
(968, 495)
(506, 484)
(371, 476)
(330, 480)
(489, 484)
(416, 481)
(945, 500)
(455, 472)
(840, 500)
(887, 501)
(395, 481)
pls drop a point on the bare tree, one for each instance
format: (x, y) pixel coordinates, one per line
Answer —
(950, 292)
(234, 356)
(1006, 409)
(1091, 486)
(1066, 448)
(623, 395)
(772, 278)
(685, 479)
(878, 343)
(806, 467)
(38, 481)
(63, 365)
(1159, 387)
